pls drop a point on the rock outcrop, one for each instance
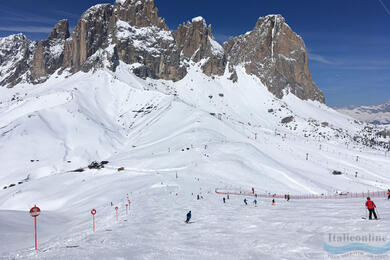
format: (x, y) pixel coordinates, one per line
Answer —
(49, 54)
(89, 35)
(277, 55)
(16, 53)
(131, 31)
(141, 37)
(196, 42)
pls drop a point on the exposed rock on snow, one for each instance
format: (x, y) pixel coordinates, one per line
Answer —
(49, 55)
(16, 53)
(196, 42)
(277, 55)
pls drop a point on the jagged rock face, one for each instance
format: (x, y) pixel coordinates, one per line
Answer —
(141, 13)
(274, 53)
(153, 49)
(49, 54)
(196, 42)
(90, 34)
(16, 52)
(141, 37)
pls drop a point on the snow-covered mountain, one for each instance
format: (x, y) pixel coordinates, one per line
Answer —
(132, 32)
(379, 114)
(173, 115)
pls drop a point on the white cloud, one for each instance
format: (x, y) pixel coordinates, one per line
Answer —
(320, 58)
(33, 29)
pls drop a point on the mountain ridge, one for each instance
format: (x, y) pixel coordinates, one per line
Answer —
(375, 114)
(131, 31)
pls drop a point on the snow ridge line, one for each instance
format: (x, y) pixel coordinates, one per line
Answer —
(348, 195)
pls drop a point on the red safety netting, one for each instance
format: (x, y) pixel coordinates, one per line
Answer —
(346, 195)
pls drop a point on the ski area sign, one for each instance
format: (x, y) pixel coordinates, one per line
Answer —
(35, 211)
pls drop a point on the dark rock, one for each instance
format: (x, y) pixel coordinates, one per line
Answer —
(95, 165)
(336, 172)
(287, 120)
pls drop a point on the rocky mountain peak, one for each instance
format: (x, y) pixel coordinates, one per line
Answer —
(277, 55)
(60, 31)
(196, 42)
(49, 54)
(132, 32)
(141, 13)
(16, 53)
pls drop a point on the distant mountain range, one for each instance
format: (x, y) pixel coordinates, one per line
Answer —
(379, 114)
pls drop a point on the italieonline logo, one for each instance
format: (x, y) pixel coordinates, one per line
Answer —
(372, 243)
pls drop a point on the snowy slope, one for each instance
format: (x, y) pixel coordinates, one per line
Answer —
(229, 135)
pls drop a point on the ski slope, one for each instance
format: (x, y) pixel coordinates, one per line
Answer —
(227, 135)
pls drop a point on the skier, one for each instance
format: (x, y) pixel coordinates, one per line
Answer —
(223, 199)
(253, 190)
(288, 197)
(198, 197)
(188, 216)
(371, 208)
(273, 202)
(228, 196)
(255, 202)
(245, 202)
(388, 194)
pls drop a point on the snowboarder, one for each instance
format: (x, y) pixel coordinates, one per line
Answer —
(188, 216)
(388, 194)
(245, 201)
(371, 208)
(273, 202)
(255, 202)
(223, 199)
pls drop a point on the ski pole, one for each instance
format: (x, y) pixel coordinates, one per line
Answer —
(377, 212)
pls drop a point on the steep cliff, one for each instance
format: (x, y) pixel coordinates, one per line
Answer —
(277, 55)
(49, 54)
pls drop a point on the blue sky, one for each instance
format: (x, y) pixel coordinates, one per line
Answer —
(348, 41)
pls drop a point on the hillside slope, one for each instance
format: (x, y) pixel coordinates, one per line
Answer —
(226, 134)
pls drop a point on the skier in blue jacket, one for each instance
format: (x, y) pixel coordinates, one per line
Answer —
(188, 216)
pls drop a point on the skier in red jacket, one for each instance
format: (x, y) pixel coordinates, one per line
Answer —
(371, 208)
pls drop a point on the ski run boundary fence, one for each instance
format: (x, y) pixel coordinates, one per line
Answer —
(345, 195)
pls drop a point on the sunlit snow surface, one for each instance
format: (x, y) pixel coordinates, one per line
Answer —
(212, 129)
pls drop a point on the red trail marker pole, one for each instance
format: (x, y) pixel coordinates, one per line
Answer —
(34, 212)
(93, 212)
(116, 209)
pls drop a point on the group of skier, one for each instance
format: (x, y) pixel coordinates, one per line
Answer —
(370, 205)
